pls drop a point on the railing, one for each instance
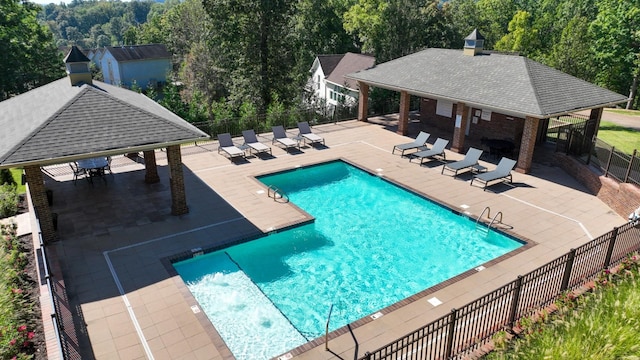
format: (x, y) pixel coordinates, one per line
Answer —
(572, 134)
(47, 278)
(466, 329)
(62, 315)
(288, 119)
(615, 163)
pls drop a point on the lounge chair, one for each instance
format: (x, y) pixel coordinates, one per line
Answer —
(436, 150)
(502, 171)
(308, 135)
(418, 143)
(280, 136)
(229, 148)
(252, 142)
(469, 162)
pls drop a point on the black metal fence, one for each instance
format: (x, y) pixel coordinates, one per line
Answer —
(288, 119)
(572, 133)
(466, 329)
(62, 315)
(615, 163)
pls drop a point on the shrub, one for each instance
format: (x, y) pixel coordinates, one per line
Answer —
(8, 200)
(17, 312)
(6, 177)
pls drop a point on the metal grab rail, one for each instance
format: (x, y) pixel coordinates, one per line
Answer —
(273, 191)
(494, 219)
(488, 210)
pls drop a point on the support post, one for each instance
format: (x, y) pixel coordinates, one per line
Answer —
(567, 270)
(462, 116)
(612, 244)
(151, 169)
(515, 301)
(403, 121)
(363, 101)
(527, 146)
(38, 193)
(176, 181)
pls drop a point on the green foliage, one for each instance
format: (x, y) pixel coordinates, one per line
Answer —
(6, 177)
(17, 311)
(90, 24)
(8, 200)
(29, 57)
(602, 324)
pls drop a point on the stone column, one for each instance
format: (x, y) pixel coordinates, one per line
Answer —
(363, 101)
(176, 181)
(151, 169)
(462, 116)
(528, 144)
(38, 192)
(403, 121)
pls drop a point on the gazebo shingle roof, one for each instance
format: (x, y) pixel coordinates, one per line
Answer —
(58, 122)
(506, 83)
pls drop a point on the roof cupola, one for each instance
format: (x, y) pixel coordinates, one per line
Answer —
(474, 43)
(77, 65)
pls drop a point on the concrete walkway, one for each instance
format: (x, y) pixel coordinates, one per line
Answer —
(117, 239)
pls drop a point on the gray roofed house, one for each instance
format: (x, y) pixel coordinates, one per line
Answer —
(143, 65)
(475, 94)
(76, 118)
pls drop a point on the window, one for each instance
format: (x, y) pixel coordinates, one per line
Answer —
(444, 108)
(318, 82)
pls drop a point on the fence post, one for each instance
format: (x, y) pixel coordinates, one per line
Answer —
(567, 270)
(452, 331)
(593, 146)
(612, 244)
(569, 141)
(606, 169)
(626, 175)
(515, 301)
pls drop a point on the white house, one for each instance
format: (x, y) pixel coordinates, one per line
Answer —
(327, 77)
(144, 65)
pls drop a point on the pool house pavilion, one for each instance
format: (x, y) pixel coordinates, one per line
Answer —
(474, 94)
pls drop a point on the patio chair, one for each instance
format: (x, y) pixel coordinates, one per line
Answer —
(229, 148)
(77, 172)
(251, 140)
(436, 151)
(418, 144)
(502, 171)
(307, 134)
(280, 136)
(470, 161)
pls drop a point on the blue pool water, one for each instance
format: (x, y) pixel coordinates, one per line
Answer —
(372, 244)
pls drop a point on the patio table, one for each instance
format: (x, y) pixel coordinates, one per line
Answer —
(94, 166)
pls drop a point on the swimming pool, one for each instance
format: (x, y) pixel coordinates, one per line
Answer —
(372, 244)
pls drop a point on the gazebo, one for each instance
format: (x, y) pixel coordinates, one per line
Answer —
(472, 92)
(76, 118)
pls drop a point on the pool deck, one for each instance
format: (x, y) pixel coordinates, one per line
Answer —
(116, 237)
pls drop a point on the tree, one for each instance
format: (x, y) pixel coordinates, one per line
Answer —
(522, 37)
(616, 31)
(28, 55)
(255, 38)
(573, 53)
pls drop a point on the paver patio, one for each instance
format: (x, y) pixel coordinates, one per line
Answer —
(116, 236)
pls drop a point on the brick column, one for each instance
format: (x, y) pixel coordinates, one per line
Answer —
(596, 114)
(529, 134)
(38, 192)
(176, 181)
(462, 116)
(151, 174)
(363, 101)
(403, 121)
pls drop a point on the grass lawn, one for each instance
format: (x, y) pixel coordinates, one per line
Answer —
(622, 138)
(603, 324)
(624, 112)
(17, 176)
